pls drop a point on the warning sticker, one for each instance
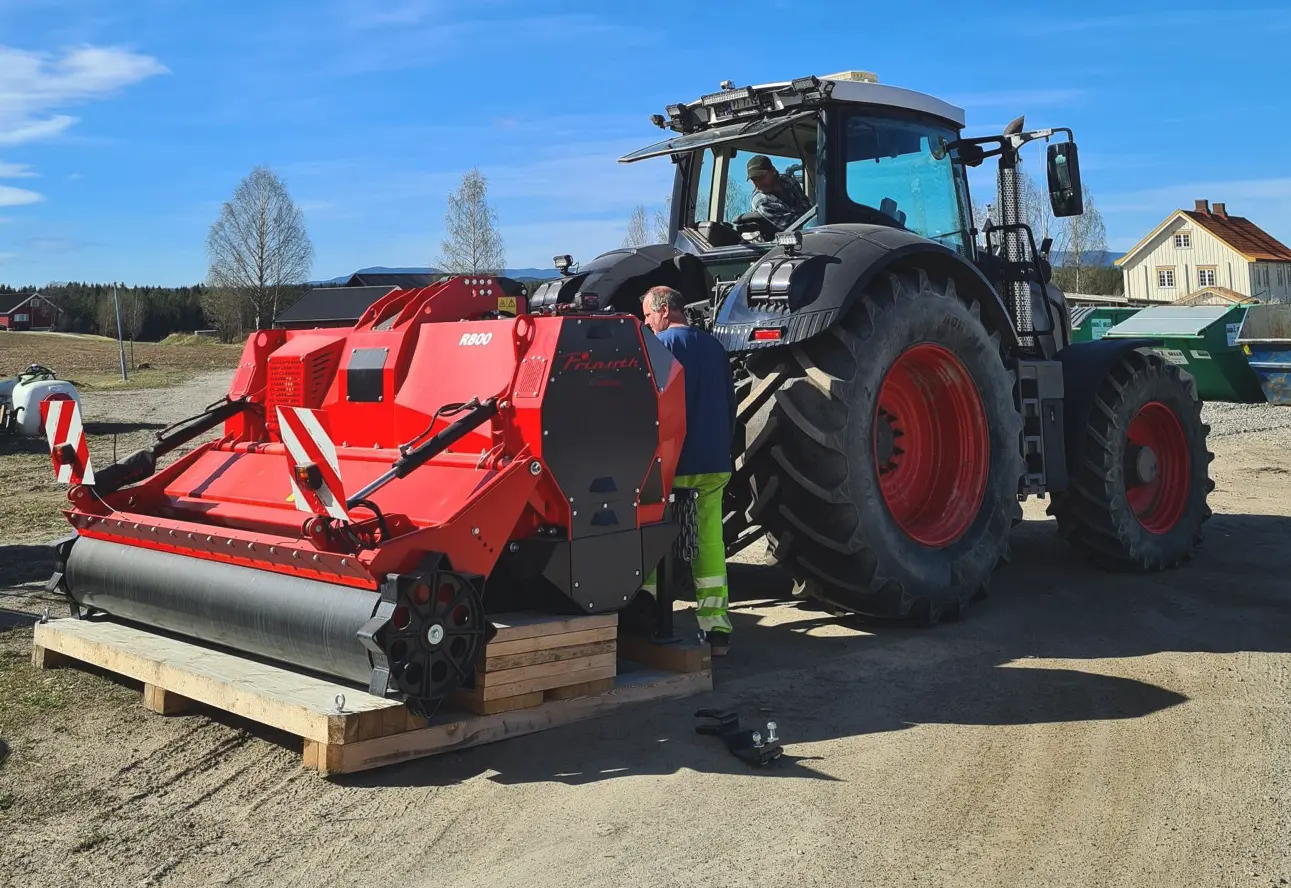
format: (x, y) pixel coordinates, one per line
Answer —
(507, 304)
(1173, 355)
(1201, 355)
(1233, 330)
(1098, 327)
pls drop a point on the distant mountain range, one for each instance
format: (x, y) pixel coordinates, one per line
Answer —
(518, 273)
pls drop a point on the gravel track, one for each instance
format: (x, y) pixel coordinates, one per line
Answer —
(1077, 729)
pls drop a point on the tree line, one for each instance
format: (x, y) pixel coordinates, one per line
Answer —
(149, 314)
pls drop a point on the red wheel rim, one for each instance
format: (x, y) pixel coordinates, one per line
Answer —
(1158, 501)
(931, 445)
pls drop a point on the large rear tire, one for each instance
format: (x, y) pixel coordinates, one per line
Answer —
(1137, 502)
(885, 469)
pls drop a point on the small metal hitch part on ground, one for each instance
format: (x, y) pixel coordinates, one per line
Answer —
(751, 746)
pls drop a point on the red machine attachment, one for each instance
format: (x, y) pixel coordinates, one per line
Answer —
(377, 489)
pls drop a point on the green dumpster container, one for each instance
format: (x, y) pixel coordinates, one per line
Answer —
(1090, 322)
(1201, 340)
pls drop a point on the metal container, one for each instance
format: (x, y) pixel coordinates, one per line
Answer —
(1265, 338)
(1090, 322)
(1202, 341)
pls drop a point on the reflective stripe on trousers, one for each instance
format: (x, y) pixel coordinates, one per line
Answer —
(709, 566)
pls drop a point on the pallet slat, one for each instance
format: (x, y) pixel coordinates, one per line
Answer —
(495, 663)
(559, 640)
(371, 731)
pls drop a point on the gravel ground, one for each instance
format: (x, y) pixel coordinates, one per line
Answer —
(1078, 729)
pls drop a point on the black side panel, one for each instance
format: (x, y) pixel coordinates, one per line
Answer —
(306, 623)
(598, 420)
(606, 571)
(661, 360)
(852, 256)
(365, 374)
(1084, 367)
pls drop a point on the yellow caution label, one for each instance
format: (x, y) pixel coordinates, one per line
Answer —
(291, 498)
(507, 304)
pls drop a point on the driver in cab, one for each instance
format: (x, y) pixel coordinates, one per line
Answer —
(777, 197)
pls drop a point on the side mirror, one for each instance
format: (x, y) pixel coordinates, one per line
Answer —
(1065, 194)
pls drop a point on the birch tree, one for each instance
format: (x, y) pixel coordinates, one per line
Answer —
(660, 222)
(1081, 243)
(258, 252)
(473, 244)
(637, 235)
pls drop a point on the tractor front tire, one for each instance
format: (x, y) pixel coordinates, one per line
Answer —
(885, 469)
(1137, 501)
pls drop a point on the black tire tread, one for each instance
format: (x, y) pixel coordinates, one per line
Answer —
(1092, 513)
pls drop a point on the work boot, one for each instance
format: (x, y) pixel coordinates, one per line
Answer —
(719, 642)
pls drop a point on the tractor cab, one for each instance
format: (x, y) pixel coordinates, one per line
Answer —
(861, 152)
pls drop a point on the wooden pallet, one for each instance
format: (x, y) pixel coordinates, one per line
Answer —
(343, 729)
(536, 657)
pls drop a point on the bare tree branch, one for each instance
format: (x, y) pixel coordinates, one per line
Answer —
(660, 222)
(257, 249)
(474, 244)
(1082, 241)
(637, 236)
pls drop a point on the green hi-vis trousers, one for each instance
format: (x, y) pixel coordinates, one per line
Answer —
(709, 566)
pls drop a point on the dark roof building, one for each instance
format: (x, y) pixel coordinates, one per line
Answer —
(391, 279)
(331, 306)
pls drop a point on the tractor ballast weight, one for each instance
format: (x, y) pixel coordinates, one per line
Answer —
(377, 490)
(905, 373)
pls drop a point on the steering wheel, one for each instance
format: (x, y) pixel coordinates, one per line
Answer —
(756, 222)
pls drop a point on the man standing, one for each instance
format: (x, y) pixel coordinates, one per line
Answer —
(777, 197)
(705, 463)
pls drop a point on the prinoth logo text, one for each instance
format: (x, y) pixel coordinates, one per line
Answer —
(583, 361)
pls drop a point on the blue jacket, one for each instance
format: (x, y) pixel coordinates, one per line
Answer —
(710, 400)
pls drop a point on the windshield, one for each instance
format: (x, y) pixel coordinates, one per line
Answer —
(902, 169)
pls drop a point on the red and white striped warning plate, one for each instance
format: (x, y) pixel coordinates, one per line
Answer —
(66, 436)
(311, 453)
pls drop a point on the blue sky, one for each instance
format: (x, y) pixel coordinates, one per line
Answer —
(125, 123)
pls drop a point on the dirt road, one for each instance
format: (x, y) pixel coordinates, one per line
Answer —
(1079, 729)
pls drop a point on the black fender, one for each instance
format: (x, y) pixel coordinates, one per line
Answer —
(832, 270)
(1084, 367)
(618, 279)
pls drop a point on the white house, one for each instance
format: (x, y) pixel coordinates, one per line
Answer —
(1207, 248)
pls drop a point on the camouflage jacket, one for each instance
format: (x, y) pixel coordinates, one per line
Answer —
(780, 211)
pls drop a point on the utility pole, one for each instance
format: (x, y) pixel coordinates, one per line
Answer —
(120, 342)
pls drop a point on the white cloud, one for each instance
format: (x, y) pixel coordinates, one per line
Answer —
(16, 171)
(34, 84)
(16, 197)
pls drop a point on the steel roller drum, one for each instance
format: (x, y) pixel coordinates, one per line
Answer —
(304, 623)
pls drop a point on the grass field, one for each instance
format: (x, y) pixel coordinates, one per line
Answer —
(93, 362)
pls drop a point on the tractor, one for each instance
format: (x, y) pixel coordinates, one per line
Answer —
(905, 379)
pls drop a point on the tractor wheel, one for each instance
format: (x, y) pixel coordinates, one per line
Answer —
(885, 469)
(1137, 502)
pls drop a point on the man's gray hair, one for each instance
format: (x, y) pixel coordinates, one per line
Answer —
(661, 297)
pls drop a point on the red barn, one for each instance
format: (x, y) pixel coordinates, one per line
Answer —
(26, 311)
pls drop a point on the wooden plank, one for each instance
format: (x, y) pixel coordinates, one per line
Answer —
(473, 701)
(298, 704)
(478, 730)
(582, 689)
(164, 702)
(552, 655)
(683, 656)
(43, 658)
(545, 642)
(556, 671)
(528, 625)
(547, 682)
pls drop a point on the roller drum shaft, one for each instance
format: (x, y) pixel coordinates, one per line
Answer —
(308, 624)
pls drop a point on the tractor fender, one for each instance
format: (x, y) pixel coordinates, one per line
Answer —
(1084, 367)
(833, 268)
(616, 281)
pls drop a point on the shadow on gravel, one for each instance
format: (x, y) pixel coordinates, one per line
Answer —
(121, 428)
(823, 678)
(25, 564)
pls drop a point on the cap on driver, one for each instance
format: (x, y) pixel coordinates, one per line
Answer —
(760, 163)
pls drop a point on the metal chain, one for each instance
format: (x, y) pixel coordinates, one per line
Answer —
(686, 509)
